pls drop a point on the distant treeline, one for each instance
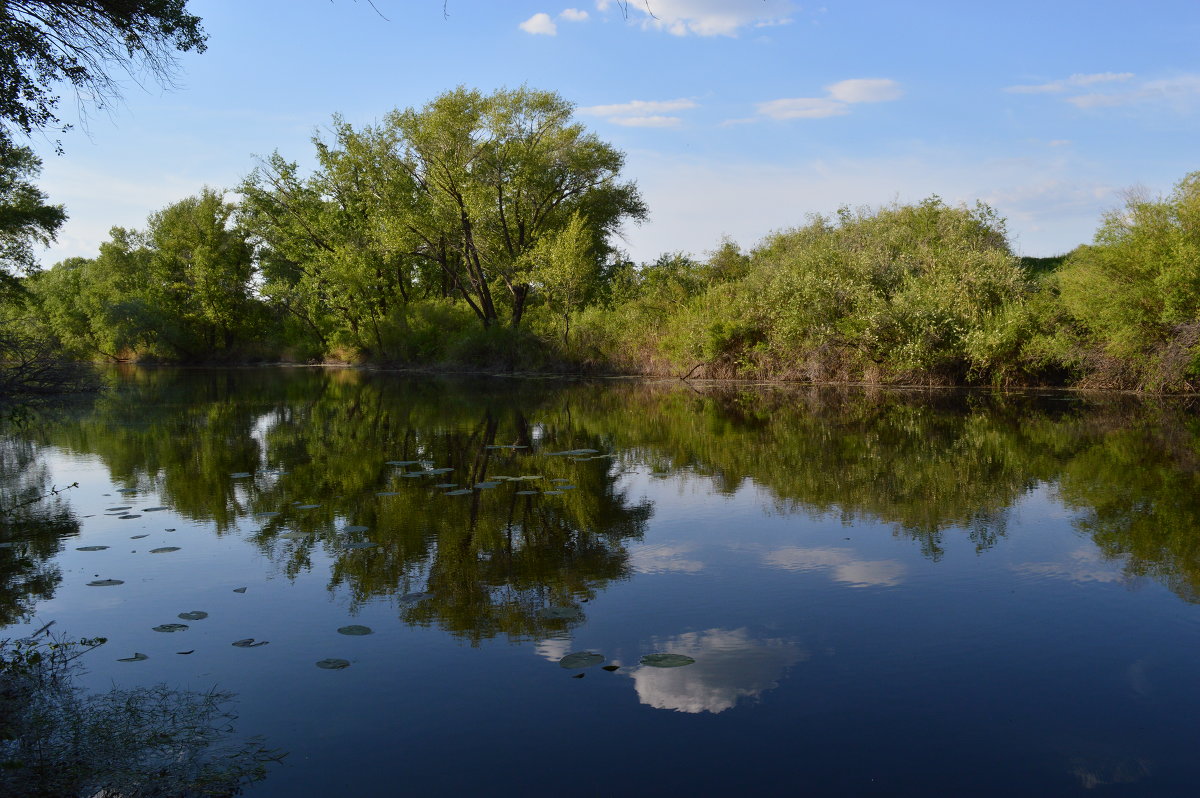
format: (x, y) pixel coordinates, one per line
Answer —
(477, 231)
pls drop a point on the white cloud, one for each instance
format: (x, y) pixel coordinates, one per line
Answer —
(865, 90)
(638, 107)
(730, 665)
(573, 15)
(841, 95)
(847, 569)
(803, 108)
(646, 121)
(1181, 93)
(539, 23)
(1073, 82)
(707, 17)
(656, 559)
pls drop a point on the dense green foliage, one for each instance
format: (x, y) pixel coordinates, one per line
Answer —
(479, 231)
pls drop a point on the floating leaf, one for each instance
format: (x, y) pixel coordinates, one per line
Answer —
(127, 491)
(355, 529)
(611, 668)
(666, 660)
(307, 506)
(172, 529)
(446, 485)
(137, 657)
(438, 470)
(552, 493)
(194, 615)
(355, 630)
(560, 480)
(91, 548)
(116, 509)
(526, 492)
(486, 485)
(579, 676)
(413, 598)
(250, 642)
(413, 474)
(127, 516)
(361, 544)
(561, 613)
(138, 537)
(267, 514)
(333, 664)
(459, 492)
(171, 627)
(565, 487)
(581, 659)
(403, 462)
(153, 509)
(239, 590)
(387, 493)
(164, 549)
(296, 535)
(192, 651)
(106, 583)
(240, 474)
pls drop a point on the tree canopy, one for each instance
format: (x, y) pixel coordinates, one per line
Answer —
(82, 43)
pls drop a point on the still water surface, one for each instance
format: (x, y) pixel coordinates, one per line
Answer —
(883, 593)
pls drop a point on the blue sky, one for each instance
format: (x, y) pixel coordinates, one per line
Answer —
(738, 117)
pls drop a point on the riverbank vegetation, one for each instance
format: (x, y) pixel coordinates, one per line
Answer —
(482, 231)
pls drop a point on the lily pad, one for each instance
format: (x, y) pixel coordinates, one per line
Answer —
(446, 485)
(403, 462)
(91, 548)
(387, 493)
(296, 535)
(459, 492)
(171, 627)
(486, 485)
(581, 659)
(250, 642)
(127, 491)
(355, 529)
(137, 657)
(267, 514)
(240, 474)
(565, 487)
(164, 549)
(666, 660)
(561, 481)
(561, 613)
(438, 470)
(307, 506)
(333, 664)
(116, 509)
(531, 476)
(191, 651)
(526, 493)
(153, 509)
(413, 598)
(194, 615)
(355, 630)
(361, 544)
(611, 668)
(106, 583)
(128, 516)
(138, 537)
(552, 493)
(413, 474)
(239, 590)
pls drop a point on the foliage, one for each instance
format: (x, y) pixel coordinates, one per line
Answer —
(25, 218)
(1136, 291)
(56, 739)
(50, 43)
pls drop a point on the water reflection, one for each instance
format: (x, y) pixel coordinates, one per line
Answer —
(731, 665)
(841, 563)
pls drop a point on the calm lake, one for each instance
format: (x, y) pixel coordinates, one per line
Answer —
(870, 592)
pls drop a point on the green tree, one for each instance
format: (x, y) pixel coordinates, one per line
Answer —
(25, 218)
(45, 44)
(565, 268)
(1136, 291)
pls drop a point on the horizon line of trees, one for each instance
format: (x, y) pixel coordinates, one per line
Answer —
(478, 230)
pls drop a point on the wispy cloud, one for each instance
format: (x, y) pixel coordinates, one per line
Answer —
(539, 24)
(573, 15)
(841, 96)
(641, 113)
(705, 17)
(842, 562)
(1073, 82)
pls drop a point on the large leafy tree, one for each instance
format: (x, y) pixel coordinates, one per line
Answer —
(45, 44)
(26, 220)
(450, 199)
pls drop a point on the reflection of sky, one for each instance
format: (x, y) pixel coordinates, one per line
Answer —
(730, 665)
(842, 562)
(652, 559)
(553, 648)
(1083, 564)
